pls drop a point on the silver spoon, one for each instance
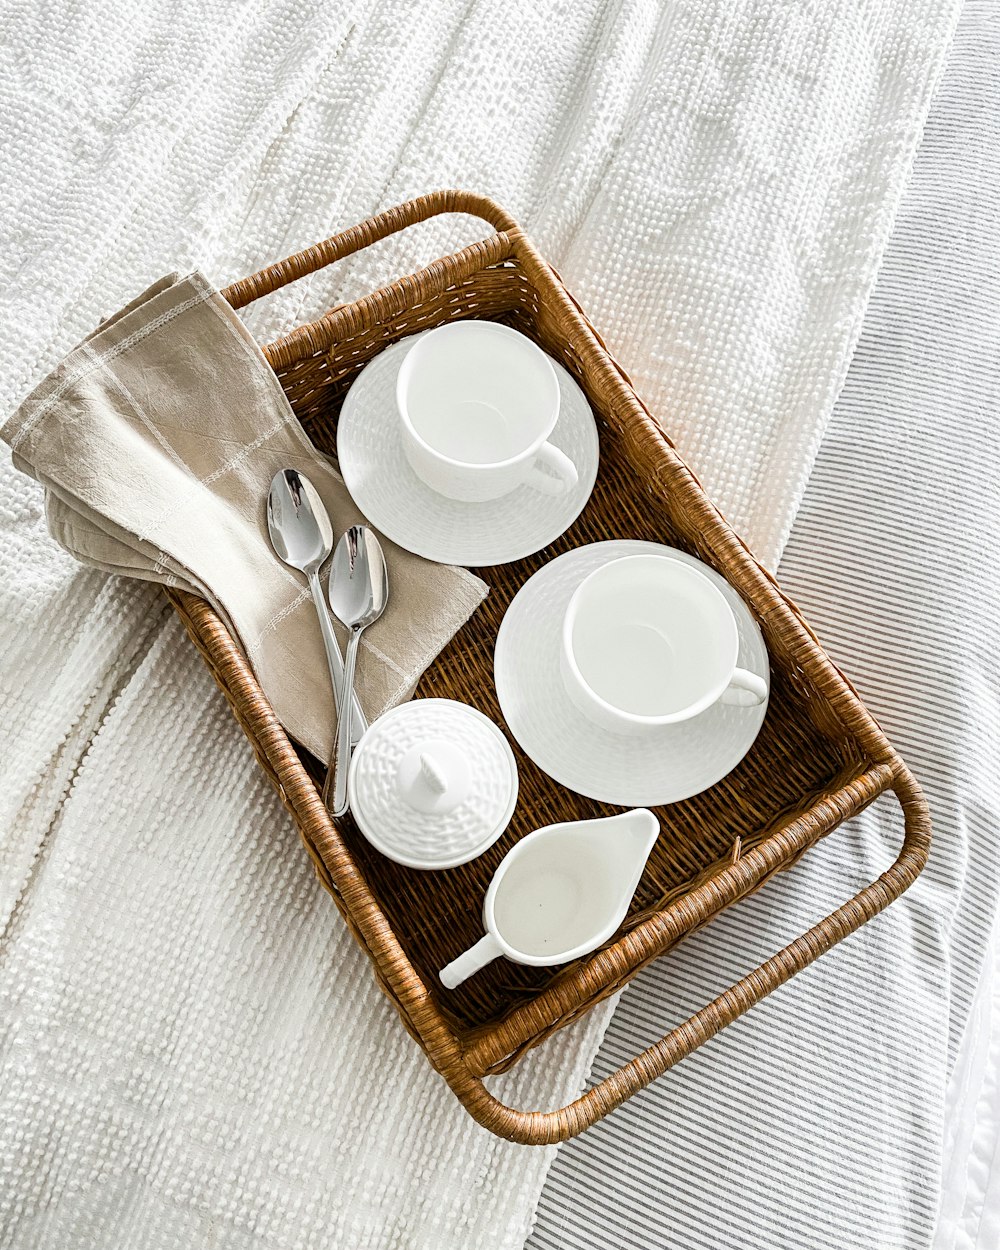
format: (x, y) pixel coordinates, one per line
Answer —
(302, 536)
(359, 588)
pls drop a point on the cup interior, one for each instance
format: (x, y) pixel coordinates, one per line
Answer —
(553, 900)
(476, 392)
(651, 637)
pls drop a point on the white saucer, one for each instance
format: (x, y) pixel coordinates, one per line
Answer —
(397, 502)
(671, 763)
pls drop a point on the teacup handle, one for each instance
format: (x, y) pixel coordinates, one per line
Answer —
(485, 951)
(745, 689)
(561, 475)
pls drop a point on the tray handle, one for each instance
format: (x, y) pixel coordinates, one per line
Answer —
(369, 231)
(546, 1127)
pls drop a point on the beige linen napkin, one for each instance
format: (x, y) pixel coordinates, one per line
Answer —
(156, 440)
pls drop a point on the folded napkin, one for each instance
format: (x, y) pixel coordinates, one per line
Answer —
(156, 440)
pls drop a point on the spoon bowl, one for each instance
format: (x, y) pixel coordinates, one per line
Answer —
(359, 581)
(298, 523)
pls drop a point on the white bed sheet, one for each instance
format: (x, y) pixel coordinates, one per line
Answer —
(969, 1214)
(821, 1119)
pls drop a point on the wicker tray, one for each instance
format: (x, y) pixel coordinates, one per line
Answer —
(820, 757)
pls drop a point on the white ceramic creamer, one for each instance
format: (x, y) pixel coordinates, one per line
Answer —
(560, 892)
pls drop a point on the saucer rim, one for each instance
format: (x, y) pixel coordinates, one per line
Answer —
(408, 479)
(577, 718)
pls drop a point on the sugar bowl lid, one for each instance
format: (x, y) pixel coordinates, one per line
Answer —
(433, 783)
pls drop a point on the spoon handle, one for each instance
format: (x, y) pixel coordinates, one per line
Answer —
(342, 757)
(335, 660)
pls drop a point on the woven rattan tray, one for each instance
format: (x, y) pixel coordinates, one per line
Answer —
(819, 759)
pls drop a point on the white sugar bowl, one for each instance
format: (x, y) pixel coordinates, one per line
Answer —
(433, 783)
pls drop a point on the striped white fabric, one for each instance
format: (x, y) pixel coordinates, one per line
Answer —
(817, 1120)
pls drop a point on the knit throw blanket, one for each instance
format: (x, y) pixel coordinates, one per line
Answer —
(192, 1050)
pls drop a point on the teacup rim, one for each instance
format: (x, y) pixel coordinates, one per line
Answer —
(638, 719)
(406, 367)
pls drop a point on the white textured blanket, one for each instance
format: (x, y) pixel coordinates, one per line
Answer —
(192, 1050)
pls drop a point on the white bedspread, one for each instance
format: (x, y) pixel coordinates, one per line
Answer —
(191, 1049)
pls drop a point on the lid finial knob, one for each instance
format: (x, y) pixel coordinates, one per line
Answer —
(432, 774)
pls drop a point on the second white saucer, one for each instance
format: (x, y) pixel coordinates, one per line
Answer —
(399, 505)
(668, 764)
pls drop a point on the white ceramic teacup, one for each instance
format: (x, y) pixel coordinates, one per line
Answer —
(560, 892)
(477, 402)
(649, 641)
